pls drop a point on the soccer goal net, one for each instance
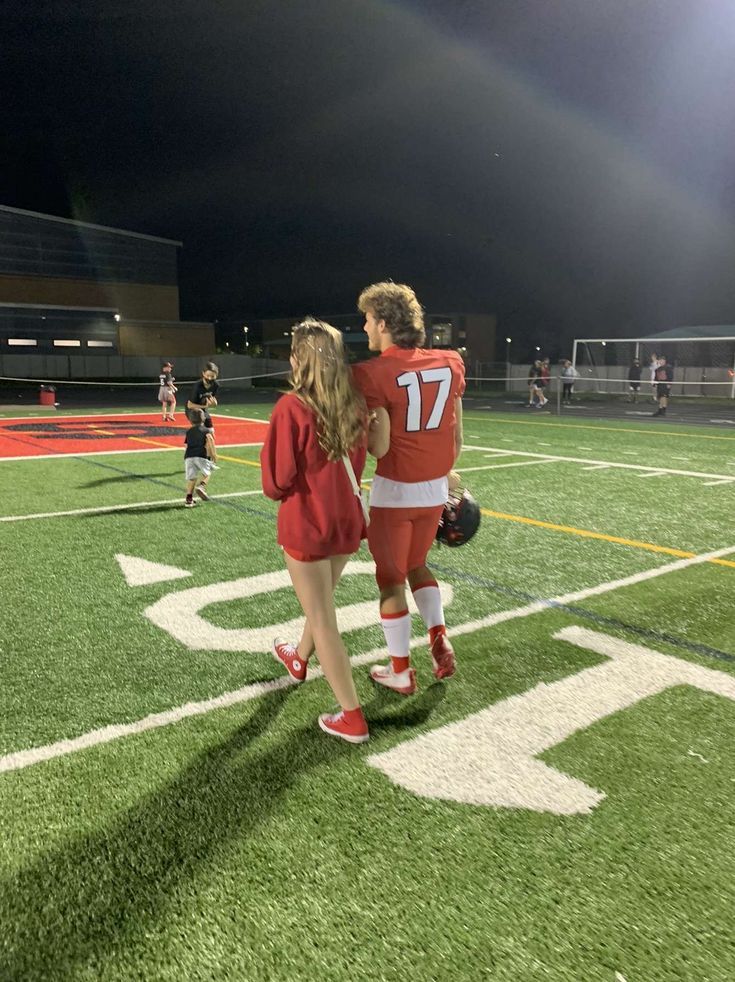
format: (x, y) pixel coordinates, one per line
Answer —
(704, 367)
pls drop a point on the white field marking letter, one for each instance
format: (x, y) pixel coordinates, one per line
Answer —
(490, 757)
(142, 572)
(179, 613)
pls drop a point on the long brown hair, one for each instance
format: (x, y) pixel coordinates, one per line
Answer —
(321, 379)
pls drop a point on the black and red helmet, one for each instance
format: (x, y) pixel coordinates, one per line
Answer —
(460, 519)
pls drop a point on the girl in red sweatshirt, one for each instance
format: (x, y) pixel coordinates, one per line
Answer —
(314, 430)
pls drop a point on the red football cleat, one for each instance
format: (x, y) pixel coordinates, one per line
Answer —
(401, 682)
(442, 657)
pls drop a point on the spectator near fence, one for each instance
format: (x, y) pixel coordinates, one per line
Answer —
(536, 385)
(664, 378)
(653, 367)
(634, 380)
(568, 375)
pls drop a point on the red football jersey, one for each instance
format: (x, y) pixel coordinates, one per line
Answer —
(418, 388)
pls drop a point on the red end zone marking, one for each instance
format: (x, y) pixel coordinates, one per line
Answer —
(44, 436)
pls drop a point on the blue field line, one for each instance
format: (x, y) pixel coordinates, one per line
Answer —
(703, 650)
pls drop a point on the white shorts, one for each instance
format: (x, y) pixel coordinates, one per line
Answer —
(194, 466)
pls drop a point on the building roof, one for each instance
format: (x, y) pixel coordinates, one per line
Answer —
(700, 332)
(99, 228)
(724, 332)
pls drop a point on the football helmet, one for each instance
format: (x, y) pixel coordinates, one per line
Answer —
(460, 519)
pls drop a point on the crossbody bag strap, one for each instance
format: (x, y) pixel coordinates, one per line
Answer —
(356, 487)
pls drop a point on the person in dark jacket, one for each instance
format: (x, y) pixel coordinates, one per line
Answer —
(664, 378)
(634, 380)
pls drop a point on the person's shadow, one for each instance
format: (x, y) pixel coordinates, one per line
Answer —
(100, 892)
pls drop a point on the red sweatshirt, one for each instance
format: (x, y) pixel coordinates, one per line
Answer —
(319, 513)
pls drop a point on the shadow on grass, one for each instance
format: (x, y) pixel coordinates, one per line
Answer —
(88, 900)
(125, 511)
(123, 478)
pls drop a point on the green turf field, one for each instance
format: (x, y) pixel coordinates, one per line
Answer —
(563, 809)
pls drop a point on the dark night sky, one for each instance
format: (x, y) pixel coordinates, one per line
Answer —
(569, 164)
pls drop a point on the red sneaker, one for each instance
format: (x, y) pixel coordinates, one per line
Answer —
(288, 654)
(442, 657)
(202, 494)
(336, 725)
(401, 682)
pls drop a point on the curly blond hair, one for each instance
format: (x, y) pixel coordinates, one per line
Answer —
(398, 306)
(321, 379)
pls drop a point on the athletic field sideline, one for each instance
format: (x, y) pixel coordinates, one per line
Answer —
(561, 810)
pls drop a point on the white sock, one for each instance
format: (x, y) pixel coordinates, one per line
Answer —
(397, 631)
(429, 602)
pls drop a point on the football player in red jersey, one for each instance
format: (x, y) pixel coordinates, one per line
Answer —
(415, 396)
(312, 458)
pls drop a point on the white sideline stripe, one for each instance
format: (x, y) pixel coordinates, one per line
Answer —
(93, 416)
(654, 474)
(35, 755)
(496, 467)
(605, 463)
(109, 508)
(45, 419)
(598, 467)
(120, 453)
(726, 480)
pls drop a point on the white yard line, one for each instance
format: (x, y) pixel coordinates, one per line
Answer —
(604, 463)
(25, 758)
(654, 474)
(107, 453)
(114, 508)
(497, 467)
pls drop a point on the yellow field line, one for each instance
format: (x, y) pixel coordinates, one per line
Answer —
(238, 460)
(589, 426)
(587, 534)
(569, 529)
(167, 446)
(141, 439)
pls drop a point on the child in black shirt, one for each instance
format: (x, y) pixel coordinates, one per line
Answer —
(199, 457)
(204, 394)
